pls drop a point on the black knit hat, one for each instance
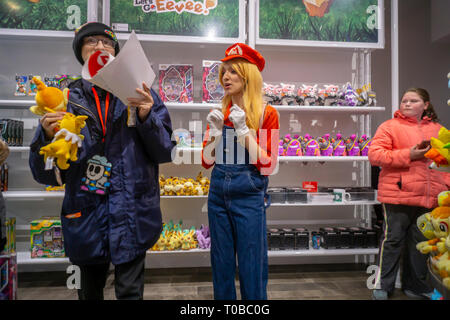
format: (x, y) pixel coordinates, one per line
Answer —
(92, 29)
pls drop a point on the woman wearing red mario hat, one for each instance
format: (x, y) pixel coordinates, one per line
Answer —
(239, 143)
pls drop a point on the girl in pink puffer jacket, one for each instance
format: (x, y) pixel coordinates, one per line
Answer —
(407, 188)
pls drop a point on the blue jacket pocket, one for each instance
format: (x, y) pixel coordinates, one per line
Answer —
(83, 239)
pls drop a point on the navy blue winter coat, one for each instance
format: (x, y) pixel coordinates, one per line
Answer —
(125, 223)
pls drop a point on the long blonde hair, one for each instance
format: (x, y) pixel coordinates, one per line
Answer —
(252, 96)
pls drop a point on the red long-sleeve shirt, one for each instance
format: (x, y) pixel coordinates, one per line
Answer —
(270, 123)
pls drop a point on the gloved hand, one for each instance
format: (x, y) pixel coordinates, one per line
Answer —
(215, 121)
(237, 116)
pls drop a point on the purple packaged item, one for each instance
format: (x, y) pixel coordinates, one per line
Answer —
(349, 96)
(352, 146)
(203, 238)
(311, 146)
(281, 148)
(364, 144)
(339, 148)
(294, 148)
(326, 146)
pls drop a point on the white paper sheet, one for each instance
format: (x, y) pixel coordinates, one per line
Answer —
(122, 74)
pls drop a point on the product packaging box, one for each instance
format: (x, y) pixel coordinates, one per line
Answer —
(176, 83)
(329, 238)
(301, 239)
(310, 186)
(9, 232)
(275, 239)
(8, 276)
(212, 89)
(288, 242)
(47, 238)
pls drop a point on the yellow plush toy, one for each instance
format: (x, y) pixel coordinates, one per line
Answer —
(66, 142)
(67, 139)
(434, 226)
(48, 99)
(442, 264)
(440, 152)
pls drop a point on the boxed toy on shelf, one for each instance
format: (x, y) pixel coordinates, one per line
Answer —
(325, 145)
(8, 230)
(176, 83)
(8, 276)
(47, 238)
(318, 95)
(11, 131)
(285, 238)
(4, 177)
(212, 89)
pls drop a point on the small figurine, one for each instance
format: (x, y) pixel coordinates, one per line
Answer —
(299, 97)
(277, 94)
(310, 146)
(287, 94)
(339, 148)
(326, 146)
(364, 144)
(310, 97)
(269, 94)
(349, 96)
(331, 95)
(294, 148)
(352, 146)
(281, 148)
(203, 237)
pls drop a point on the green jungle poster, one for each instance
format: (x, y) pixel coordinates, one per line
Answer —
(319, 20)
(61, 15)
(201, 18)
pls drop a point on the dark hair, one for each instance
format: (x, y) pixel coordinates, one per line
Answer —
(429, 112)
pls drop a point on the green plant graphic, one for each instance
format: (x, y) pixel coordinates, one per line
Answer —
(42, 15)
(346, 21)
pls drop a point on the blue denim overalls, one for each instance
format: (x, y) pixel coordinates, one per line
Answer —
(237, 221)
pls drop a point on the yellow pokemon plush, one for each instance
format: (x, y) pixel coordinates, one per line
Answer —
(67, 139)
(441, 265)
(435, 226)
(48, 99)
(66, 142)
(440, 152)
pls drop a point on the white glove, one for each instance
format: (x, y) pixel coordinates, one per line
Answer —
(237, 116)
(215, 121)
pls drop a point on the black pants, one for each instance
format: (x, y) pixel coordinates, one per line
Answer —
(128, 280)
(400, 236)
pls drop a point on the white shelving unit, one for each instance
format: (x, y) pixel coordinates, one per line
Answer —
(208, 106)
(174, 207)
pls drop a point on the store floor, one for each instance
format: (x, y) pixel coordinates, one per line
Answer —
(297, 282)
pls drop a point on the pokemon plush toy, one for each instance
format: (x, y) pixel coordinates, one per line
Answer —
(440, 151)
(434, 227)
(66, 142)
(48, 99)
(67, 139)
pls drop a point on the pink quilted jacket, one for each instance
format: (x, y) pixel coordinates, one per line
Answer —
(401, 180)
